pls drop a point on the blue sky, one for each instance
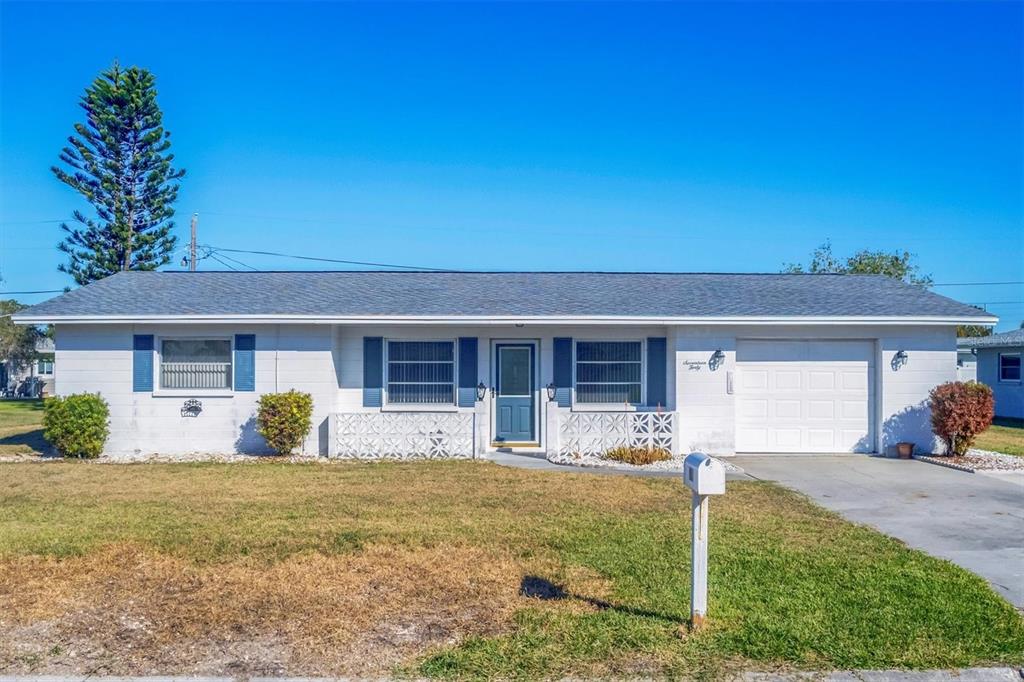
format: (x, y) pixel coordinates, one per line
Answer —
(691, 137)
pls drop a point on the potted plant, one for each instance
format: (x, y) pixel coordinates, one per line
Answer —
(905, 450)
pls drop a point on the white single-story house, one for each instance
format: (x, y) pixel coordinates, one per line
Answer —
(999, 358)
(406, 364)
(32, 379)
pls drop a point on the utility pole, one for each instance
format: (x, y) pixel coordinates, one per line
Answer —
(192, 244)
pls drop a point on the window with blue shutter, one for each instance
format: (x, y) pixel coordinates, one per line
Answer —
(373, 371)
(245, 362)
(467, 371)
(563, 371)
(609, 372)
(142, 363)
(656, 371)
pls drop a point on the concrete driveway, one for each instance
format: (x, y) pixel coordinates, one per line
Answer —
(974, 520)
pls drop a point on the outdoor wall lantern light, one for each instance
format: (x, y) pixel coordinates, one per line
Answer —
(717, 358)
(550, 388)
(481, 391)
(899, 359)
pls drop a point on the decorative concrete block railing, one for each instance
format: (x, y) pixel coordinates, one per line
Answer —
(594, 433)
(403, 435)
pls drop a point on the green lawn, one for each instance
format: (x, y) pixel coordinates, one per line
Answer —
(1005, 435)
(21, 429)
(465, 570)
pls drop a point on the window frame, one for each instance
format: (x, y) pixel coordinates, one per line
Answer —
(617, 406)
(40, 363)
(158, 349)
(388, 405)
(999, 368)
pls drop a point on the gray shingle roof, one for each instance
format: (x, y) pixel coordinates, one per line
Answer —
(498, 294)
(1011, 338)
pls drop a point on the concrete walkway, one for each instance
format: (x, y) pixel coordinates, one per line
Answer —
(974, 520)
(539, 463)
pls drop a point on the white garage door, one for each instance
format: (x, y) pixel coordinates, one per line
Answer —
(804, 396)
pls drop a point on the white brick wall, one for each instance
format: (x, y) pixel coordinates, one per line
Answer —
(98, 358)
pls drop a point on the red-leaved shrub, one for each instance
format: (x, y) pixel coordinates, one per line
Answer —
(960, 411)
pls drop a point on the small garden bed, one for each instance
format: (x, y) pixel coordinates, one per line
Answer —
(674, 463)
(977, 461)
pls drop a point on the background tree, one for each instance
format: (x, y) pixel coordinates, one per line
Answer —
(120, 162)
(968, 330)
(17, 342)
(898, 265)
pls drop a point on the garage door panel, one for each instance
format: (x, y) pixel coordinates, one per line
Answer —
(821, 409)
(754, 379)
(787, 380)
(821, 381)
(823, 440)
(854, 409)
(804, 396)
(751, 440)
(787, 409)
(752, 409)
(788, 439)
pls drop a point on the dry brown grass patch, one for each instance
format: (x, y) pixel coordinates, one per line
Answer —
(128, 610)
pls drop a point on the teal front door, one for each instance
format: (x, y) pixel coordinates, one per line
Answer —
(514, 395)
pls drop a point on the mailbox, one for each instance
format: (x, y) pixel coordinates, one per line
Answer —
(703, 474)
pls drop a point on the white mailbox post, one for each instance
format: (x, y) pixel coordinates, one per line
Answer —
(704, 476)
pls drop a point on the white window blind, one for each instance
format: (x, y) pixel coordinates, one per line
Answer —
(421, 372)
(609, 372)
(195, 363)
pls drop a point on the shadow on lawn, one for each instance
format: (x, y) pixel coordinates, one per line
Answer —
(32, 438)
(545, 590)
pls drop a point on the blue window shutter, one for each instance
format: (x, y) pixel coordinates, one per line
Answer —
(467, 371)
(245, 362)
(563, 371)
(373, 371)
(656, 372)
(142, 363)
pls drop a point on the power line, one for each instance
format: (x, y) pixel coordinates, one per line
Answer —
(228, 265)
(235, 260)
(50, 291)
(329, 260)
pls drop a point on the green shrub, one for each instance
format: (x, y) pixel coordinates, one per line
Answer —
(77, 425)
(960, 411)
(638, 455)
(284, 419)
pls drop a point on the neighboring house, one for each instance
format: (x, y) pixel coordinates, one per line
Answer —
(999, 358)
(404, 364)
(35, 378)
(966, 361)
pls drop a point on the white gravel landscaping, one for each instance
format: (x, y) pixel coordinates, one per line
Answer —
(674, 464)
(978, 460)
